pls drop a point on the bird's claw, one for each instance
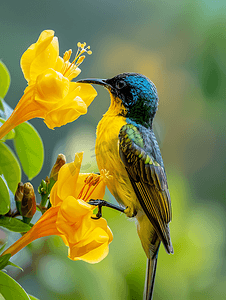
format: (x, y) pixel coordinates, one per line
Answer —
(130, 213)
(98, 216)
(100, 203)
(96, 202)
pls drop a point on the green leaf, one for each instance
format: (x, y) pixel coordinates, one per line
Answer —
(32, 298)
(9, 135)
(13, 265)
(29, 147)
(2, 110)
(14, 224)
(10, 289)
(3, 247)
(6, 109)
(9, 167)
(4, 197)
(4, 260)
(4, 79)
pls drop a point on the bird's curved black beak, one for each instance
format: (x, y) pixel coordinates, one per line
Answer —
(102, 82)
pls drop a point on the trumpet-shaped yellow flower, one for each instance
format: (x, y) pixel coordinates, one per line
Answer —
(50, 93)
(70, 216)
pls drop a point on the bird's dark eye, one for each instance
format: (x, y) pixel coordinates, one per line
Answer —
(120, 84)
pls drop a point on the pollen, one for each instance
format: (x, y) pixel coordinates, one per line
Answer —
(90, 184)
(88, 179)
(67, 55)
(80, 60)
(70, 68)
(92, 179)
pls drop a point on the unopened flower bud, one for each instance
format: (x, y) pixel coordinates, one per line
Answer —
(61, 160)
(28, 205)
(19, 196)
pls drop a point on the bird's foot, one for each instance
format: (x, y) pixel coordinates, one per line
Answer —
(101, 203)
(130, 212)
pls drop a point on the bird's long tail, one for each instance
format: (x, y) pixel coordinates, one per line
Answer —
(150, 277)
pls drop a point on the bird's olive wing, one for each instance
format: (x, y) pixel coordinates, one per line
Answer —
(148, 180)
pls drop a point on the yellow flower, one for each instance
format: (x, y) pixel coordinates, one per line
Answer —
(50, 93)
(70, 216)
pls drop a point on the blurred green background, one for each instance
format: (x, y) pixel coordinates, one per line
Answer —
(181, 46)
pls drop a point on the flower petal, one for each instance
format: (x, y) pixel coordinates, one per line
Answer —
(45, 226)
(86, 92)
(66, 227)
(66, 113)
(29, 55)
(26, 60)
(44, 40)
(68, 176)
(74, 73)
(59, 64)
(97, 192)
(54, 199)
(51, 85)
(84, 231)
(94, 251)
(80, 185)
(25, 110)
(71, 218)
(72, 209)
(102, 223)
(45, 59)
(110, 234)
(45, 35)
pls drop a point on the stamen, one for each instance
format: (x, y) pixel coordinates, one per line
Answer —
(70, 68)
(88, 179)
(96, 180)
(88, 182)
(67, 55)
(81, 192)
(91, 180)
(89, 195)
(78, 58)
(84, 197)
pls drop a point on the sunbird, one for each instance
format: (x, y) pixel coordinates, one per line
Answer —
(127, 148)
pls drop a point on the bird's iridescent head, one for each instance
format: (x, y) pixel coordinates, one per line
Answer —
(137, 93)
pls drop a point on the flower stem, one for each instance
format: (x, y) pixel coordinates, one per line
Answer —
(45, 226)
(25, 110)
(45, 196)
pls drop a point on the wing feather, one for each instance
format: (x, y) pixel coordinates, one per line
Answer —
(148, 180)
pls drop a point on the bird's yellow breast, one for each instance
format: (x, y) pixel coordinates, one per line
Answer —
(108, 158)
(118, 183)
